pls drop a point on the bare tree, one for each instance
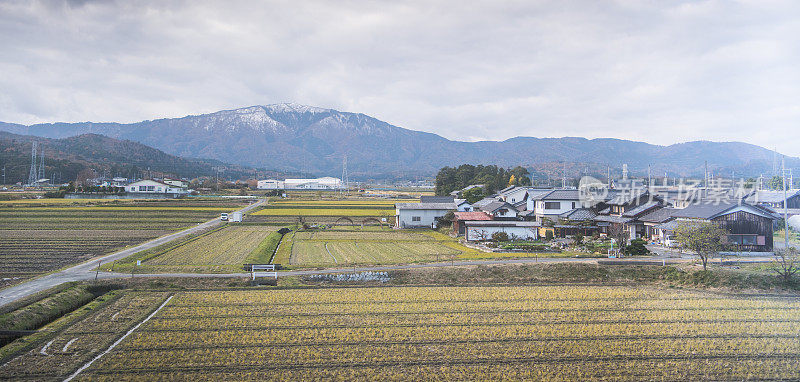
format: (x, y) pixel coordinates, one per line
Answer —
(786, 263)
(482, 235)
(619, 234)
(704, 238)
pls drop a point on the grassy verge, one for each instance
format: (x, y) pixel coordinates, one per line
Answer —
(48, 309)
(263, 253)
(681, 276)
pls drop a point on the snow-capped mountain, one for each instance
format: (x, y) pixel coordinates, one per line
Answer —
(294, 137)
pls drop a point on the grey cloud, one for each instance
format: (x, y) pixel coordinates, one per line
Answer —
(662, 72)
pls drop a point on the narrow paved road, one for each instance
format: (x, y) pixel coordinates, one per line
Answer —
(85, 271)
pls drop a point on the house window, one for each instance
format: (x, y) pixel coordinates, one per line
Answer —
(743, 239)
(416, 218)
(573, 205)
(552, 205)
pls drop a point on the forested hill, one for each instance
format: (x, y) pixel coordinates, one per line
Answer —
(291, 137)
(66, 157)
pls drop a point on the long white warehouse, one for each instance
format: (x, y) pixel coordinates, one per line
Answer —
(324, 183)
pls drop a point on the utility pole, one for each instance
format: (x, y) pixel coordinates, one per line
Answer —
(785, 205)
(649, 179)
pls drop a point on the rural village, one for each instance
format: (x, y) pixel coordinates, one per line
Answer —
(399, 191)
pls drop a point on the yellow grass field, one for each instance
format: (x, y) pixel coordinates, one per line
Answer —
(324, 212)
(542, 333)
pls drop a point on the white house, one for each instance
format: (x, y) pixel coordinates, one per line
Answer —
(324, 183)
(417, 215)
(462, 205)
(175, 182)
(554, 203)
(480, 230)
(153, 187)
(500, 210)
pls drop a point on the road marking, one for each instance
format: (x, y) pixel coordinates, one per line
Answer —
(67, 345)
(44, 348)
(85, 366)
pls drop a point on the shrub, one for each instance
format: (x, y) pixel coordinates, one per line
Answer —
(548, 235)
(637, 248)
(499, 236)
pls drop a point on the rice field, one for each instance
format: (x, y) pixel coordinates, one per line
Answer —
(39, 235)
(342, 247)
(304, 211)
(549, 333)
(327, 210)
(225, 249)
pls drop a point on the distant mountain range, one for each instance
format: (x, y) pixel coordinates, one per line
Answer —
(291, 137)
(66, 157)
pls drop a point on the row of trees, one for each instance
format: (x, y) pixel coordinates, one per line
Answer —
(493, 178)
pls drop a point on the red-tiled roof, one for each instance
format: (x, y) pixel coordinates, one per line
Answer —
(472, 215)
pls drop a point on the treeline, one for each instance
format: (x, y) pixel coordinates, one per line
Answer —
(493, 178)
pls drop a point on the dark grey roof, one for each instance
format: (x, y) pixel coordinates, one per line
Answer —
(425, 206)
(612, 219)
(559, 195)
(483, 202)
(658, 216)
(704, 210)
(509, 188)
(535, 193)
(640, 209)
(436, 199)
(713, 208)
(766, 196)
(671, 225)
(496, 205)
(579, 214)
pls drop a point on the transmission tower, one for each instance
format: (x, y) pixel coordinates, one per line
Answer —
(41, 165)
(345, 182)
(32, 174)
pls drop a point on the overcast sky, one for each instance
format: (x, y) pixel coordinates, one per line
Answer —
(656, 71)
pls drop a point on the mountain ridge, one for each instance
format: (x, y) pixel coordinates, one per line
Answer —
(294, 137)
